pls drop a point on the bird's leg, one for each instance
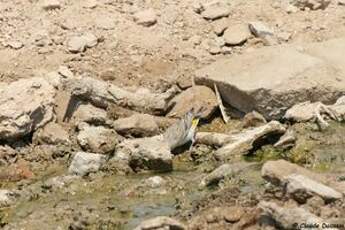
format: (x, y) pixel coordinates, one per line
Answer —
(192, 144)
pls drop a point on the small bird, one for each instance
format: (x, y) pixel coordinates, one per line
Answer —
(183, 131)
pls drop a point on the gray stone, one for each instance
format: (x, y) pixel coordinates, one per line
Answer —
(97, 139)
(146, 17)
(300, 187)
(160, 222)
(195, 97)
(224, 171)
(139, 125)
(84, 163)
(26, 105)
(151, 153)
(243, 142)
(287, 217)
(52, 134)
(261, 30)
(236, 34)
(269, 85)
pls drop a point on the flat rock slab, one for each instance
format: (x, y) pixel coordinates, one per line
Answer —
(300, 186)
(278, 171)
(244, 141)
(26, 105)
(272, 79)
(160, 222)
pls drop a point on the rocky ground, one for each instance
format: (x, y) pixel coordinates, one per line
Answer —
(90, 89)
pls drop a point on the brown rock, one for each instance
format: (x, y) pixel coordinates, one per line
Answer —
(139, 125)
(233, 214)
(253, 119)
(236, 34)
(195, 97)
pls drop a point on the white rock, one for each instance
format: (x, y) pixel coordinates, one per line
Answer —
(160, 222)
(7, 198)
(84, 163)
(236, 34)
(287, 140)
(26, 105)
(155, 182)
(97, 139)
(243, 142)
(76, 44)
(151, 153)
(146, 17)
(91, 4)
(91, 40)
(15, 45)
(51, 4)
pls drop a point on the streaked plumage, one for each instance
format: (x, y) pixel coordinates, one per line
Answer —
(182, 131)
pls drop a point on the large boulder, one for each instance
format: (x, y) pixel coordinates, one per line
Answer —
(26, 105)
(151, 153)
(275, 78)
